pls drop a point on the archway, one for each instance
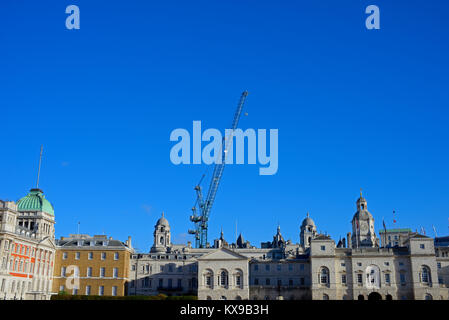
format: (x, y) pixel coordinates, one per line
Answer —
(389, 297)
(374, 296)
(360, 297)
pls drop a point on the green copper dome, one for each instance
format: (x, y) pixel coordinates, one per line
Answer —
(35, 201)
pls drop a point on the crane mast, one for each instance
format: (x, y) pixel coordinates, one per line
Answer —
(205, 205)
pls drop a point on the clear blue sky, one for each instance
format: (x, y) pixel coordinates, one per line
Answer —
(354, 108)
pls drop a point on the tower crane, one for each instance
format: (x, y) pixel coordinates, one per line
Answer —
(204, 206)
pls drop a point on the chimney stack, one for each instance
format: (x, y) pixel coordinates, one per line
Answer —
(349, 240)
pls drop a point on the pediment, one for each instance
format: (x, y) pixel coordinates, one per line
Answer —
(47, 241)
(223, 254)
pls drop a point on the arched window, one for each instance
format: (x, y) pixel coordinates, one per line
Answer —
(425, 275)
(223, 298)
(238, 298)
(373, 277)
(325, 296)
(428, 297)
(208, 278)
(209, 298)
(324, 275)
(161, 240)
(238, 276)
(223, 278)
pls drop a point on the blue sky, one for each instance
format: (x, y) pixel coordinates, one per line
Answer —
(355, 108)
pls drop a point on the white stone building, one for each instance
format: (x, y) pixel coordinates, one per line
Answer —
(316, 268)
(27, 247)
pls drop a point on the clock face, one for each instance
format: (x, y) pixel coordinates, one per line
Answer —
(363, 226)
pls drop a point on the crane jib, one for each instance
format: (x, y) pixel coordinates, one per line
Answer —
(206, 205)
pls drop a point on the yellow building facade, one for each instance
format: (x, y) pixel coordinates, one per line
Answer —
(95, 265)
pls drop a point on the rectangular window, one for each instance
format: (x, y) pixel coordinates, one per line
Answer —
(161, 283)
(267, 267)
(102, 272)
(116, 256)
(342, 264)
(89, 272)
(101, 290)
(87, 290)
(323, 248)
(439, 265)
(267, 281)
(61, 288)
(301, 281)
(256, 281)
(162, 268)
(114, 291)
(179, 283)
(290, 267)
(290, 282)
(386, 263)
(103, 256)
(279, 282)
(278, 267)
(387, 279)
(74, 291)
(115, 272)
(208, 281)
(301, 267)
(63, 269)
(170, 283)
(64, 255)
(90, 255)
(359, 278)
(422, 246)
(343, 279)
(402, 278)
(256, 267)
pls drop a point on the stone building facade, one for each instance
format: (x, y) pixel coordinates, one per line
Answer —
(27, 247)
(355, 268)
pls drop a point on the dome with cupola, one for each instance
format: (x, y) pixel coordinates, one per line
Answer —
(35, 201)
(308, 221)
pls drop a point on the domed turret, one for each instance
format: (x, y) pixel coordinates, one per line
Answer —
(308, 231)
(308, 221)
(35, 201)
(363, 234)
(162, 221)
(162, 235)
